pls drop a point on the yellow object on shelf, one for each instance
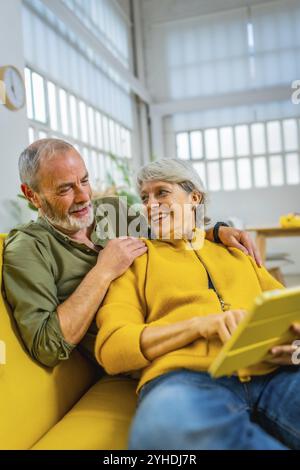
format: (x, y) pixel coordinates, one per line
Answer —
(290, 220)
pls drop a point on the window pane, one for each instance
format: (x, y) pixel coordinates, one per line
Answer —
(39, 97)
(200, 168)
(109, 168)
(276, 170)
(105, 134)
(64, 112)
(31, 135)
(83, 121)
(118, 140)
(112, 136)
(213, 174)
(226, 138)
(92, 126)
(292, 168)
(94, 169)
(43, 135)
(129, 147)
(101, 171)
(258, 138)
(99, 130)
(290, 134)
(123, 142)
(127, 143)
(274, 136)
(229, 177)
(74, 116)
(260, 172)
(196, 144)
(28, 94)
(85, 156)
(244, 173)
(242, 141)
(52, 106)
(182, 142)
(211, 143)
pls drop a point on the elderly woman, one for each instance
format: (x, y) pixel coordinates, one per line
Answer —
(166, 318)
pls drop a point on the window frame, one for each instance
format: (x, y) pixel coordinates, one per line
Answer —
(268, 155)
(36, 128)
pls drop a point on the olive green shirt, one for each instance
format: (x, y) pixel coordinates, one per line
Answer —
(42, 267)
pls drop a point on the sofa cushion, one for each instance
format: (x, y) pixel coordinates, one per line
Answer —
(100, 420)
(33, 398)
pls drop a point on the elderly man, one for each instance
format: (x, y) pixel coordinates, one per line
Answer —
(55, 277)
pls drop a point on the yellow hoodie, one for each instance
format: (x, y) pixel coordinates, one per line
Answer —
(169, 284)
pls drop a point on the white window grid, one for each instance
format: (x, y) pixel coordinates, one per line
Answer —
(56, 112)
(104, 19)
(244, 156)
(56, 51)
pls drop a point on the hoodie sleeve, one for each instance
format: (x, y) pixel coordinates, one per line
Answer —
(121, 320)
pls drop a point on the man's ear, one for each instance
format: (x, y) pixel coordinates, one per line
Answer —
(31, 195)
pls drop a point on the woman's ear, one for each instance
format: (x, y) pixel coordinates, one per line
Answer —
(197, 198)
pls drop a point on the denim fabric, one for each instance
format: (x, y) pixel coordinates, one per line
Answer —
(184, 409)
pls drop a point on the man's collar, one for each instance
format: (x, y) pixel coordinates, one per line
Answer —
(41, 220)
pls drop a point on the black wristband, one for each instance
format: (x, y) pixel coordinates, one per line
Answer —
(216, 231)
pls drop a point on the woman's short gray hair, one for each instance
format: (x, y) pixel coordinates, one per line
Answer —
(173, 170)
(30, 158)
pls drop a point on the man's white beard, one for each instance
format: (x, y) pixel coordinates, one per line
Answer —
(69, 222)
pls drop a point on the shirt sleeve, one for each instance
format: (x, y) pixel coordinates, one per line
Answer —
(30, 289)
(121, 320)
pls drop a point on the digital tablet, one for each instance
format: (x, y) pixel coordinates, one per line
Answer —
(266, 325)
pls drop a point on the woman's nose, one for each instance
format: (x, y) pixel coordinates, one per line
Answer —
(152, 203)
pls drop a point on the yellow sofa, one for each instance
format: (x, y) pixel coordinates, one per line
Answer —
(61, 408)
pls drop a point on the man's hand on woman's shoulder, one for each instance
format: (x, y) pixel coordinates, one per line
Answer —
(233, 237)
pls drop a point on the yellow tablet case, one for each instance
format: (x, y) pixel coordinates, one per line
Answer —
(267, 324)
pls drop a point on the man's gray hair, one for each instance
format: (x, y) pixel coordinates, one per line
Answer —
(31, 157)
(173, 170)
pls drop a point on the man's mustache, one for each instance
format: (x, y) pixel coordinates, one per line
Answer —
(78, 207)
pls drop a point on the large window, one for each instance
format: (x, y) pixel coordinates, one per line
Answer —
(244, 156)
(225, 51)
(55, 112)
(72, 92)
(107, 21)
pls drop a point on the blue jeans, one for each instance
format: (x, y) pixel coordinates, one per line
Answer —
(184, 409)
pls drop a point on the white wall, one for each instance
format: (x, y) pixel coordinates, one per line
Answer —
(261, 208)
(125, 6)
(13, 125)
